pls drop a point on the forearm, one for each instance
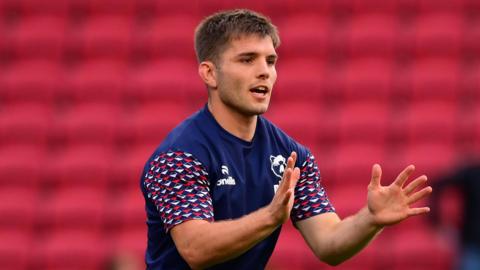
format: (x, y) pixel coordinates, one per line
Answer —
(338, 240)
(350, 236)
(207, 244)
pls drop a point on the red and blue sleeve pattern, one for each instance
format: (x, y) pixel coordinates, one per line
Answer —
(178, 185)
(310, 197)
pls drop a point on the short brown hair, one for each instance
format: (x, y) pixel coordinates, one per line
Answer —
(215, 31)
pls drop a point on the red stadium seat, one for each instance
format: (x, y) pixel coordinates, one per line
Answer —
(21, 167)
(450, 208)
(6, 44)
(301, 79)
(27, 81)
(150, 124)
(104, 37)
(128, 248)
(372, 35)
(418, 248)
(303, 121)
(80, 166)
(435, 78)
(168, 36)
(353, 162)
(305, 35)
(74, 209)
(39, 37)
(163, 8)
(90, 124)
(26, 8)
(25, 124)
(72, 250)
(104, 7)
(471, 93)
(431, 159)
(18, 209)
(128, 166)
(436, 34)
(349, 198)
(166, 80)
(422, 6)
(128, 212)
(474, 127)
(370, 78)
(364, 122)
(472, 37)
(429, 122)
(102, 81)
(371, 6)
(15, 250)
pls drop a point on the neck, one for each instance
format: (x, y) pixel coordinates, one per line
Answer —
(235, 123)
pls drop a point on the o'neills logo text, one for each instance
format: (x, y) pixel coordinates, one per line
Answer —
(227, 180)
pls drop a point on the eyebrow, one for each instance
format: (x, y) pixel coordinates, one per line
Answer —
(254, 54)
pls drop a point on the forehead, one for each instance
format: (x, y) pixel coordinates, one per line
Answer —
(251, 44)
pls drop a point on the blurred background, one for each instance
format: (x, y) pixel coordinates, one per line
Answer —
(89, 88)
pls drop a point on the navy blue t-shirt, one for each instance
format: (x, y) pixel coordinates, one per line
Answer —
(201, 171)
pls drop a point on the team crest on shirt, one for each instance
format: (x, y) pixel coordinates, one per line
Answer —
(278, 165)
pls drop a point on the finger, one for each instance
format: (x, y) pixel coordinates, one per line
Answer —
(403, 176)
(295, 177)
(419, 195)
(414, 184)
(376, 175)
(292, 160)
(287, 197)
(286, 182)
(290, 164)
(418, 211)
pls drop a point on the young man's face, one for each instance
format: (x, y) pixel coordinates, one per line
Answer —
(246, 74)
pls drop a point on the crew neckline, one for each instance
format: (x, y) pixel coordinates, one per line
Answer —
(229, 135)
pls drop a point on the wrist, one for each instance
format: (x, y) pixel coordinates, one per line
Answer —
(270, 217)
(371, 219)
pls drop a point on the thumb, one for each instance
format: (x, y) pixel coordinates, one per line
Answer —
(376, 175)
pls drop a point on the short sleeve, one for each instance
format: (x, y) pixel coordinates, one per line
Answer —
(178, 185)
(310, 197)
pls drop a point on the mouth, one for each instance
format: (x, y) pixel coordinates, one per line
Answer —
(259, 91)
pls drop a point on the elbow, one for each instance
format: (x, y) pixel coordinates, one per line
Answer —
(333, 262)
(194, 258)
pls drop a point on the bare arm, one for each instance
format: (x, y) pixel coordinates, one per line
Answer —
(203, 244)
(334, 240)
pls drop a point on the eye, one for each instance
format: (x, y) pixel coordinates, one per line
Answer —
(271, 60)
(246, 60)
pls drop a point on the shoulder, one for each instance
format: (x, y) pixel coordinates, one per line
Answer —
(189, 137)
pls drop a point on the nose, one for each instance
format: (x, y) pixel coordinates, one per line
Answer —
(263, 71)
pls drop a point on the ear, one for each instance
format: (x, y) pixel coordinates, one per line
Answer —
(207, 72)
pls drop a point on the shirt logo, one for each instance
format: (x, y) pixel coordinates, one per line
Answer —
(278, 165)
(227, 179)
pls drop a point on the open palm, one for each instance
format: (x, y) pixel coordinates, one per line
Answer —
(392, 204)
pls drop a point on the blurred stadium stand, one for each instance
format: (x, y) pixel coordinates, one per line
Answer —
(84, 87)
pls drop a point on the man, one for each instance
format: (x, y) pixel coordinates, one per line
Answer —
(466, 179)
(220, 186)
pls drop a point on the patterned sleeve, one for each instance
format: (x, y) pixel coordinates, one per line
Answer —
(310, 197)
(178, 185)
